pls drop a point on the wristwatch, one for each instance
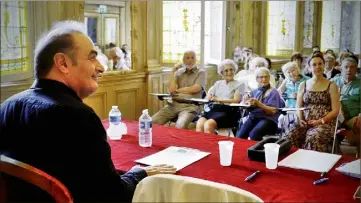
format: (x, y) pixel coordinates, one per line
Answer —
(322, 121)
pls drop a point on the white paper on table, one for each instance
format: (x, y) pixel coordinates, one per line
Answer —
(351, 169)
(179, 157)
(310, 160)
(197, 100)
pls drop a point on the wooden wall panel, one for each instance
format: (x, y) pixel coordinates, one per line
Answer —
(98, 102)
(155, 85)
(127, 102)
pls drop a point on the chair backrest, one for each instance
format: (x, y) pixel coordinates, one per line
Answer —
(174, 188)
(36, 177)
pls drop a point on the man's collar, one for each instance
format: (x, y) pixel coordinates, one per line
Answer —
(193, 70)
(55, 87)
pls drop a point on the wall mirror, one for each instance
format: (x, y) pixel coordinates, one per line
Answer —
(109, 25)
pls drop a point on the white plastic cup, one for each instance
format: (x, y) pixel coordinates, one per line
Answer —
(271, 153)
(225, 152)
(115, 132)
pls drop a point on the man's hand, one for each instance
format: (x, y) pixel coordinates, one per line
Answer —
(176, 67)
(158, 169)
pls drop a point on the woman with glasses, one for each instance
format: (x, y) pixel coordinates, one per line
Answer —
(316, 125)
(263, 114)
(223, 91)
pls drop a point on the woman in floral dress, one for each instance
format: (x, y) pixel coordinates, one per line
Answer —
(316, 125)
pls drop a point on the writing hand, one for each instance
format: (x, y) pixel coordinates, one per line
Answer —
(253, 102)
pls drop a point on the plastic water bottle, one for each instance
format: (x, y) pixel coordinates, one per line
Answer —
(145, 129)
(115, 128)
(114, 116)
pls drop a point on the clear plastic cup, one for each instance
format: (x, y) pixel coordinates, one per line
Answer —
(271, 153)
(225, 152)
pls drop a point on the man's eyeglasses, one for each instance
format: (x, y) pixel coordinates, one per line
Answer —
(263, 77)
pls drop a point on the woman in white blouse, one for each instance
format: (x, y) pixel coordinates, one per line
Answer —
(223, 91)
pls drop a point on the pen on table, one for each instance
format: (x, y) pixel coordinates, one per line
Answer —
(252, 176)
(320, 181)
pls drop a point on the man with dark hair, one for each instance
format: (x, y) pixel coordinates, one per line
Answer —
(49, 127)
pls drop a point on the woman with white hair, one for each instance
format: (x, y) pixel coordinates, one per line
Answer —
(289, 86)
(223, 91)
(263, 114)
(247, 76)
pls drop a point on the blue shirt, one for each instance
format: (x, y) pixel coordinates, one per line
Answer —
(291, 88)
(272, 99)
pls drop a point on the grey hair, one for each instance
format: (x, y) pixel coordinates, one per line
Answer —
(289, 65)
(59, 39)
(190, 51)
(224, 63)
(348, 59)
(262, 70)
(257, 59)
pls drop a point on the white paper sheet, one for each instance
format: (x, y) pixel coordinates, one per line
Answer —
(179, 157)
(293, 109)
(239, 104)
(197, 100)
(158, 94)
(310, 160)
(351, 169)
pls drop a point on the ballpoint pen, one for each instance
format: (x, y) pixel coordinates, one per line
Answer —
(249, 178)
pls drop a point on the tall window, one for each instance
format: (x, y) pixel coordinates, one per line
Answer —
(308, 24)
(181, 29)
(281, 22)
(214, 33)
(14, 37)
(331, 25)
(195, 25)
(350, 29)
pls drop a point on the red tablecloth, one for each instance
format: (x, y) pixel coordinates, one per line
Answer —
(280, 185)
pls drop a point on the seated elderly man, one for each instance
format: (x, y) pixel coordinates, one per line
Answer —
(248, 76)
(349, 86)
(186, 81)
(223, 91)
(263, 116)
(330, 64)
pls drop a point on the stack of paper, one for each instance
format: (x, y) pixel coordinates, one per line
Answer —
(351, 169)
(179, 157)
(310, 160)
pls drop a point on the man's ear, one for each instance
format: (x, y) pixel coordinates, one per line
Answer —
(62, 62)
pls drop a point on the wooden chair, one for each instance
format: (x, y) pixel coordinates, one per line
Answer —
(34, 176)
